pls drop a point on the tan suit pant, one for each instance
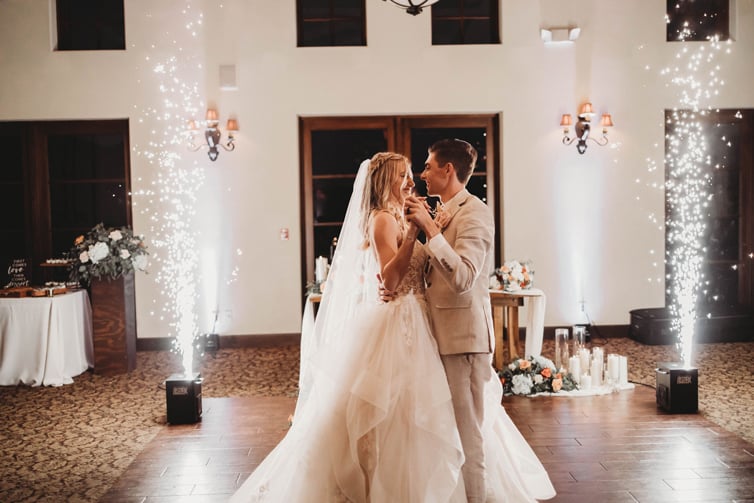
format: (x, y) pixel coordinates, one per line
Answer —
(467, 374)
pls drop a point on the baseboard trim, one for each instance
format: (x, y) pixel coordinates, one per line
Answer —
(597, 332)
(226, 341)
(276, 340)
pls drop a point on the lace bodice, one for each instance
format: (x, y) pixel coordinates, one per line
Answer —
(413, 281)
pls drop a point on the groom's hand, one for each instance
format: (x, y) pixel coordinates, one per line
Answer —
(417, 213)
(385, 294)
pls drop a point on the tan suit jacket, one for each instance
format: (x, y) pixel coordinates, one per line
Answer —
(457, 278)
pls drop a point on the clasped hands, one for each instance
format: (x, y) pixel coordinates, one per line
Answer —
(419, 216)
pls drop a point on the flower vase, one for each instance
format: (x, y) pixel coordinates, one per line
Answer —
(114, 324)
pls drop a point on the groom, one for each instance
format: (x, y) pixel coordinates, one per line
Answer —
(457, 282)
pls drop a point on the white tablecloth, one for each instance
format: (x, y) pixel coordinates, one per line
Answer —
(535, 303)
(45, 340)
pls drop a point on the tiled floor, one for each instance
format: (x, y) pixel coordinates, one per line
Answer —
(601, 449)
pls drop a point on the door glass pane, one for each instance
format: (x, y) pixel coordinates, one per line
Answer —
(342, 151)
(83, 205)
(87, 185)
(722, 231)
(336, 156)
(12, 209)
(86, 157)
(323, 236)
(331, 196)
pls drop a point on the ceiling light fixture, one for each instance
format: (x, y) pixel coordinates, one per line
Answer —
(413, 7)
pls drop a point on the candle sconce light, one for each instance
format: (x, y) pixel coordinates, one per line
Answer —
(213, 135)
(583, 127)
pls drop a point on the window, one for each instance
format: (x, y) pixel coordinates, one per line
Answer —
(327, 23)
(460, 22)
(334, 147)
(90, 25)
(697, 20)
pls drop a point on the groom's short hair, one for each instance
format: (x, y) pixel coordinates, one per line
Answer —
(458, 152)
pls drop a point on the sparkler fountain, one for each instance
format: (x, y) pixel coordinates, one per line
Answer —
(171, 201)
(687, 185)
(687, 193)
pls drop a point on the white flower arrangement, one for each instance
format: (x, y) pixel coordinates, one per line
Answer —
(533, 375)
(108, 253)
(514, 275)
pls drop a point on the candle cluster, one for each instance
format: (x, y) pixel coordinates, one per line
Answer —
(589, 369)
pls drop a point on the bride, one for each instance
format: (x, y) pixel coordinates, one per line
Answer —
(374, 420)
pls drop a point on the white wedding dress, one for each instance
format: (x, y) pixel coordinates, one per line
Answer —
(374, 422)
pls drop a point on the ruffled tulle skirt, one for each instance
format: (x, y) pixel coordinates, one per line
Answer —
(377, 424)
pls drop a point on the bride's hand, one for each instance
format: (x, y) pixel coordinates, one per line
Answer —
(412, 233)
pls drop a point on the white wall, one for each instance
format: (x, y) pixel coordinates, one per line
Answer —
(583, 219)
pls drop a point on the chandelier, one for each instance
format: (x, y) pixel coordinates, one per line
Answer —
(413, 7)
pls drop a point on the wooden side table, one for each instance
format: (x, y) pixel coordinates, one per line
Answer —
(505, 309)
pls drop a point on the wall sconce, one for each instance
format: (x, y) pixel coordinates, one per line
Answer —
(583, 128)
(413, 7)
(212, 135)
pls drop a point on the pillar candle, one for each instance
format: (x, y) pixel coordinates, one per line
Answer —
(586, 382)
(574, 367)
(598, 354)
(596, 373)
(613, 368)
(320, 269)
(584, 357)
(623, 372)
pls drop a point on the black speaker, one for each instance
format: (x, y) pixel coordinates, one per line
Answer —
(677, 388)
(184, 398)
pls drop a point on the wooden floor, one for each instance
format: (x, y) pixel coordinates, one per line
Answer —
(601, 449)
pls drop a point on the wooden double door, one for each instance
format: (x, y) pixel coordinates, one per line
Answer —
(332, 148)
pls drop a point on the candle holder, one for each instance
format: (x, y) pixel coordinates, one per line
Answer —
(578, 338)
(561, 348)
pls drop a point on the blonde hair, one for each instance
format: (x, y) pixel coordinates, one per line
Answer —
(384, 168)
